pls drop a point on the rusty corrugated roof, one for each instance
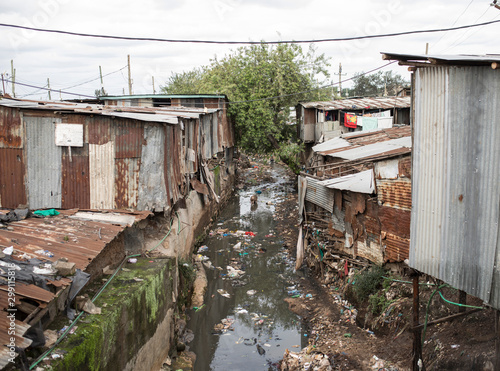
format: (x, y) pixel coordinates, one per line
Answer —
(352, 104)
(169, 115)
(76, 235)
(373, 144)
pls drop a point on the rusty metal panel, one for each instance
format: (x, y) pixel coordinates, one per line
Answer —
(177, 164)
(397, 249)
(75, 178)
(127, 183)
(394, 193)
(128, 139)
(152, 189)
(10, 128)
(99, 130)
(395, 221)
(12, 187)
(43, 162)
(102, 175)
(361, 103)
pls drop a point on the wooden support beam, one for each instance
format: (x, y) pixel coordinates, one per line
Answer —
(497, 340)
(447, 318)
(462, 299)
(417, 363)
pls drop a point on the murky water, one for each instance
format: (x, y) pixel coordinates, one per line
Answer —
(255, 326)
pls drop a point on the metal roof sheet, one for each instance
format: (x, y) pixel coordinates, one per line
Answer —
(434, 59)
(160, 96)
(64, 236)
(168, 115)
(355, 146)
(362, 182)
(352, 104)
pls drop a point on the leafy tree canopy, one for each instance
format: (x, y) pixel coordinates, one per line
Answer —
(376, 84)
(250, 76)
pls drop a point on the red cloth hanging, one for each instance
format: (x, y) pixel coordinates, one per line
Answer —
(350, 121)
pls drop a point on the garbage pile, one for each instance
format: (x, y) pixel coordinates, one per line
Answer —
(310, 358)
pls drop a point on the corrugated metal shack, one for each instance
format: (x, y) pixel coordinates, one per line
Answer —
(456, 192)
(69, 155)
(358, 198)
(318, 121)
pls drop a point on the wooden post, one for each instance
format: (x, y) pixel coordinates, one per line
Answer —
(129, 76)
(13, 71)
(497, 340)
(462, 299)
(417, 332)
(48, 85)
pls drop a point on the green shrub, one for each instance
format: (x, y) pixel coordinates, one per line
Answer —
(367, 282)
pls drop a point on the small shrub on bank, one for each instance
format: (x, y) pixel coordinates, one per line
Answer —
(367, 283)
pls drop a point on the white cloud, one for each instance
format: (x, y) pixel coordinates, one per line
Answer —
(69, 59)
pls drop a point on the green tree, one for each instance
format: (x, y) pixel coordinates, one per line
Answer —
(376, 84)
(262, 82)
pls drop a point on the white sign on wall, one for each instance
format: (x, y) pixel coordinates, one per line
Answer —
(69, 135)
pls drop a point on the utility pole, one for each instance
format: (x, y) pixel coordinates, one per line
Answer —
(3, 84)
(102, 82)
(426, 48)
(153, 78)
(340, 78)
(48, 86)
(13, 71)
(129, 76)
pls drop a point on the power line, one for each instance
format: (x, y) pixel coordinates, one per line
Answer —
(51, 89)
(245, 42)
(97, 78)
(456, 20)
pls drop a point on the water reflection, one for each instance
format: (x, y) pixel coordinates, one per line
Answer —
(263, 326)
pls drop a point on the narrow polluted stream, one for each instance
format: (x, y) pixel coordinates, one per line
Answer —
(245, 324)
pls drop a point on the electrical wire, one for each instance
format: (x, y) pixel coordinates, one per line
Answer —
(456, 20)
(51, 89)
(130, 38)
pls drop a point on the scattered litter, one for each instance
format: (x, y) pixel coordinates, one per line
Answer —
(251, 234)
(224, 293)
(237, 246)
(137, 279)
(251, 292)
(202, 249)
(46, 253)
(132, 260)
(225, 325)
(8, 250)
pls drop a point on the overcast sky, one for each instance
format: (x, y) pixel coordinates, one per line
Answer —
(70, 60)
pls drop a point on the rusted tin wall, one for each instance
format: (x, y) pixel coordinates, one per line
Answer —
(12, 170)
(10, 128)
(75, 187)
(375, 227)
(124, 163)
